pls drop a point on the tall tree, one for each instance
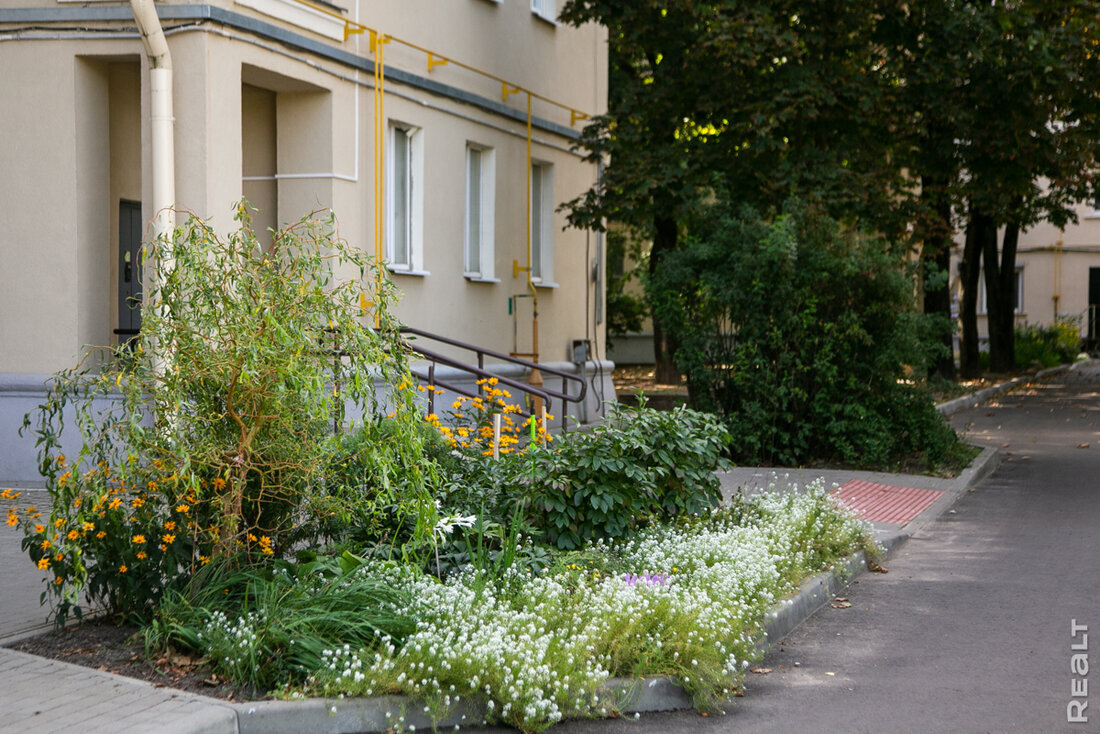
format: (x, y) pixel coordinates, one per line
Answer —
(774, 99)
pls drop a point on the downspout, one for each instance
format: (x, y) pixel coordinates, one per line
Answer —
(162, 119)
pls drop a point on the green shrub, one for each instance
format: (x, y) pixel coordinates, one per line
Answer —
(640, 464)
(1050, 345)
(799, 333)
(210, 434)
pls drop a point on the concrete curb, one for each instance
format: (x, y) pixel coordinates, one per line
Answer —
(969, 401)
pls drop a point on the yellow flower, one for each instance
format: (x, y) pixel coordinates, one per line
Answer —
(122, 568)
(139, 539)
(73, 535)
(101, 534)
(61, 459)
(138, 502)
(59, 556)
(88, 527)
(43, 564)
(142, 555)
(58, 580)
(115, 503)
(58, 522)
(163, 547)
(219, 483)
(203, 560)
(45, 544)
(170, 525)
(251, 538)
(13, 519)
(168, 538)
(39, 528)
(182, 508)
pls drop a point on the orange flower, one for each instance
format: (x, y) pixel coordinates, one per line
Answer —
(170, 525)
(142, 555)
(122, 568)
(58, 580)
(139, 539)
(43, 564)
(73, 535)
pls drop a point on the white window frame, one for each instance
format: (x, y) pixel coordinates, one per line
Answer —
(542, 223)
(480, 213)
(410, 191)
(546, 10)
(982, 306)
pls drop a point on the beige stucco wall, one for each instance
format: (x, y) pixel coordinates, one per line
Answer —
(83, 143)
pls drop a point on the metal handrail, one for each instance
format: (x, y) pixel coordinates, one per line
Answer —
(545, 393)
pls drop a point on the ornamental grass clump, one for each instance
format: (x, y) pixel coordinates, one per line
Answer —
(210, 435)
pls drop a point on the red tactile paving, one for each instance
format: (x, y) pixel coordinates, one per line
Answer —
(884, 503)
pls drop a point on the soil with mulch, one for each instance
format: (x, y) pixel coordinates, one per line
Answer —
(112, 648)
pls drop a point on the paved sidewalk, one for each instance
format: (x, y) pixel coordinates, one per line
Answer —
(46, 696)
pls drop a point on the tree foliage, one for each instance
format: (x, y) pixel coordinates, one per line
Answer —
(799, 332)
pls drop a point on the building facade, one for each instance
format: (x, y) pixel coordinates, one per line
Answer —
(439, 132)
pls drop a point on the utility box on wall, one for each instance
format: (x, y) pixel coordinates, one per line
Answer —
(580, 351)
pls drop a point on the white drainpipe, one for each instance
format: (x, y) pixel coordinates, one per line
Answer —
(160, 84)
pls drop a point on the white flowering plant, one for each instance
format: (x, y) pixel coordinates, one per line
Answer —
(686, 599)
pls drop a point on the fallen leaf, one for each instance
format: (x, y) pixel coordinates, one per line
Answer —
(840, 605)
(1082, 445)
(875, 568)
(841, 598)
(1004, 445)
(760, 671)
(703, 713)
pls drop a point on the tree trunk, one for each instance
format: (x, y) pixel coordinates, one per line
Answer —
(1000, 299)
(979, 228)
(665, 372)
(936, 250)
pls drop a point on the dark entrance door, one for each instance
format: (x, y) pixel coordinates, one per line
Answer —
(129, 269)
(1094, 307)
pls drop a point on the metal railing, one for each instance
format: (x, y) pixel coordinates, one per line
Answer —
(429, 377)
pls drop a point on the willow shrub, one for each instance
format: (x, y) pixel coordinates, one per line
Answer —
(210, 436)
(800, 332)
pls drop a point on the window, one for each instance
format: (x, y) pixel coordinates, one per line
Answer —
(545, 9)
(480, 194)
(405, 196)
(542, 218)
(1019, 292)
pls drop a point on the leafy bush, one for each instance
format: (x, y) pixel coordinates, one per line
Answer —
(207, 436)
(1050, 345)
(799, 334)
(638, 465)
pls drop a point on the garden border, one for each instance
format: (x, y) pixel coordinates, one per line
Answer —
(377, 714)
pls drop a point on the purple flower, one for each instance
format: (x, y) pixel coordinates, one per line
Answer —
(648, 578)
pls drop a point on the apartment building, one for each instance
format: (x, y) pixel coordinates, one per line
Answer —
(440, 132)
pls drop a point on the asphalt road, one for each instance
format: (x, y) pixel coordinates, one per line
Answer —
(971, 628)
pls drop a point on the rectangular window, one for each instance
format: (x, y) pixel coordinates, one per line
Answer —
(545, 9)
(1019, 281)
(480, 193)
(404, 195)
(542, 218)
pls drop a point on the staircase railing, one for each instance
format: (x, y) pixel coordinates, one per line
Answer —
(429, 377)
